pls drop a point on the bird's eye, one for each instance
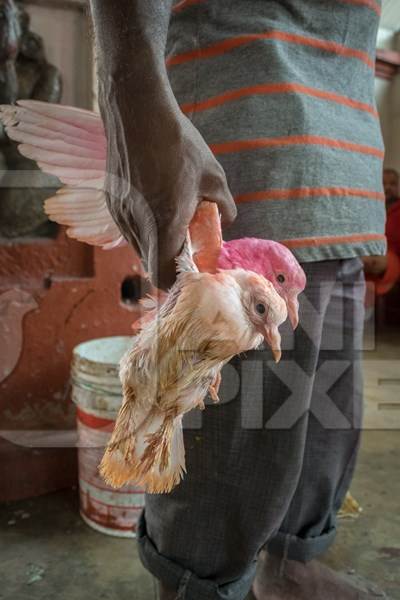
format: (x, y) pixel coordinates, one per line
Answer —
(260, 308)
(280, 278)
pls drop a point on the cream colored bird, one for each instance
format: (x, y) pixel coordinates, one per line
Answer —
(205, 320)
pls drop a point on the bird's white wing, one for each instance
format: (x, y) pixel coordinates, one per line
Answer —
(162, 303)
(185, 262)
(69, 143)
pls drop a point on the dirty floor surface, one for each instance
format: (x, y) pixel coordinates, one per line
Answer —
(48, 553)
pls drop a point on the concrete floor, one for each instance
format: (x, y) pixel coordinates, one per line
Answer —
(48, 553)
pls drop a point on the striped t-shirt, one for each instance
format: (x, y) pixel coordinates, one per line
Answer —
(283, 93)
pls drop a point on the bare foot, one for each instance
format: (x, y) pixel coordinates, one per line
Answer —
(279, 579)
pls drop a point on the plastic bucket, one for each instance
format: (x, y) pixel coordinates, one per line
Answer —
(96, 391)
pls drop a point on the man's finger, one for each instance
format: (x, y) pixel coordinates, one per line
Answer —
(216, 190)
(163, 250)
(227, 208)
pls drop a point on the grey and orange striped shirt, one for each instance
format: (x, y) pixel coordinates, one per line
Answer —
(283, 92)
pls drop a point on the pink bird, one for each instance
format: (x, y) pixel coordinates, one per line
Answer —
(70, 143)
(270, 259)
(227, 298)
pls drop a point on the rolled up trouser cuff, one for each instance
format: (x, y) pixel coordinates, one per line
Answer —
(188, 585)
(292, 547)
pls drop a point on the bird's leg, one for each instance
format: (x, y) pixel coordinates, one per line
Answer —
(214, 388)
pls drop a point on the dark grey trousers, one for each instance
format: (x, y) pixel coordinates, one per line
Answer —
(270, 465)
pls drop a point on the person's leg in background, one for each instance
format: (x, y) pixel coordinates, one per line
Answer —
(329, 457)
(202, 540)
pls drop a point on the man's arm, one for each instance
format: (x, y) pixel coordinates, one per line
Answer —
(159, 167)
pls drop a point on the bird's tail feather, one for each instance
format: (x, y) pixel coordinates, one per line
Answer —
(145, 449)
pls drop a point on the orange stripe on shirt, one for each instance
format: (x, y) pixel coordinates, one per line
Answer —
(330, 240)
(232, 43)
(185, 4)
(308, 192)
(277, 88)
(290, 140)
(367, 3)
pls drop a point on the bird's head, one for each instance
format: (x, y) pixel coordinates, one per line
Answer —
(273, 261)
(265, 308)
(286, 274)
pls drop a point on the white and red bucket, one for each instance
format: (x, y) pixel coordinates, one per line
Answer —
(96, 391)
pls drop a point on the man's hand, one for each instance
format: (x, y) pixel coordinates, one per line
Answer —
(375, 265)
(158, 166)
(155, 185)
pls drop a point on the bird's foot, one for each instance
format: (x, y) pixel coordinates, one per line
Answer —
(214, 388)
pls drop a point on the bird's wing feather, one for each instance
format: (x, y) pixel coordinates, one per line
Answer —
(84, 211)
(185, 262)
(69, 143)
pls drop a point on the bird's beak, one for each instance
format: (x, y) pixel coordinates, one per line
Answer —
(273, 339)
(293, 310)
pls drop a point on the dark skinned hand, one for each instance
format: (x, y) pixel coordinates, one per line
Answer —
(159, 168)
(155, 186)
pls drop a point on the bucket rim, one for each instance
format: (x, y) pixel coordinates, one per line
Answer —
(77, 356)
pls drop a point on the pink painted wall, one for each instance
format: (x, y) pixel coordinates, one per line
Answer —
(54, 294)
